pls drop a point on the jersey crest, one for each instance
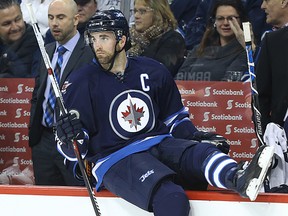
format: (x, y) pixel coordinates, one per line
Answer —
(131, 112)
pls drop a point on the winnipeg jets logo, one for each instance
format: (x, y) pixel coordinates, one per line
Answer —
(131, 112)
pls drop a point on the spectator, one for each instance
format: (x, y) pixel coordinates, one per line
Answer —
(109, 4)
(184, 11)
(276, 13)
(17, 41)
(40, 9)
(118, 5)
(153, 34)
(86, 9)
(272, 66)
(48, 165)
(197, 25)
(257, 18)
(132, 125)
(221, 54)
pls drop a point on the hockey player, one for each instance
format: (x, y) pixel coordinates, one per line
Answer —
(134, 128)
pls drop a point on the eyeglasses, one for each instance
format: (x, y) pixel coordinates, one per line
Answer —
(221, 19)
(142, 11)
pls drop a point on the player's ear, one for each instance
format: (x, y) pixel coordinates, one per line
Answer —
(122, 42)
(284, 3)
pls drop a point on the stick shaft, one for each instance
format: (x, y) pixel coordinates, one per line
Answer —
(255, 100)
(60, 102)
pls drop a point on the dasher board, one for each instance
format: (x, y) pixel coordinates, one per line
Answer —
(74, 201)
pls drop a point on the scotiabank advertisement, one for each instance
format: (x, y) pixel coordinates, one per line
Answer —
(220, 107)
(223, 108)
(15, 155)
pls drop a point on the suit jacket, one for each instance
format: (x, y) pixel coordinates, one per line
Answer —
(272, 77)
(80, 56)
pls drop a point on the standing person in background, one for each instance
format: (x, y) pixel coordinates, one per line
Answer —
(271, 67)
(40, 9)
(154, 34)
(116, 4)
(276, 12)
(18, 43)
(197, 25)
(257, 17)
(86, 9)
(48, 165)
(184, 12)
(133, 126)
(221, 54)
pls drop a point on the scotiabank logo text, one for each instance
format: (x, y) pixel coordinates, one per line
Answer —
(4, 89)
(207, 117)
(201, 104)
(14, 101)
(13, 125)
(222, 92)
(245, 130)
(22, 88)
(187, 91)
(231, 104)
(20, 112)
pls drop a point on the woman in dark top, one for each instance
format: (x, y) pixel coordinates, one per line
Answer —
(221, 54)
(153, 34)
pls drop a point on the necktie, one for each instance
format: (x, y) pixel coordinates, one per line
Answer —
(51, 102)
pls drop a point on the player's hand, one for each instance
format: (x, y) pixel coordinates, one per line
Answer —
(213, 138)
(69, 127)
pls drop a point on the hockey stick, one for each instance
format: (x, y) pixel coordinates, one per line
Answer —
(255, 101)
(60, 102)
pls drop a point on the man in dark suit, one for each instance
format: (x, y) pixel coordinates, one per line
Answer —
(86, 9)
(271, 65)
(48, 164)
(272, 77)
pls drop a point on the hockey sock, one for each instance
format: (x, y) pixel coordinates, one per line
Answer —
(170, 200)
(217, 166)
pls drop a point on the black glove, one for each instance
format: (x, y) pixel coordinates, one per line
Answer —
(213, 138)
(68, 127)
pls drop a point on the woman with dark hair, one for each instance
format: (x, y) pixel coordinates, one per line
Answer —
(154, 34)
(221, 55)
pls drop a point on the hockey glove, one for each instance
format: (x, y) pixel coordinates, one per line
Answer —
(213, 138)
(69, 128)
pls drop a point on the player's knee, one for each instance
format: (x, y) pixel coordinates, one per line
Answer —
(170, 200)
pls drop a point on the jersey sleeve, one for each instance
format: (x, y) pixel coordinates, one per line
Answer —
(75, 91)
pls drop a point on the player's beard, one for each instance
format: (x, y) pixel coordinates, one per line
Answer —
(104, 58)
